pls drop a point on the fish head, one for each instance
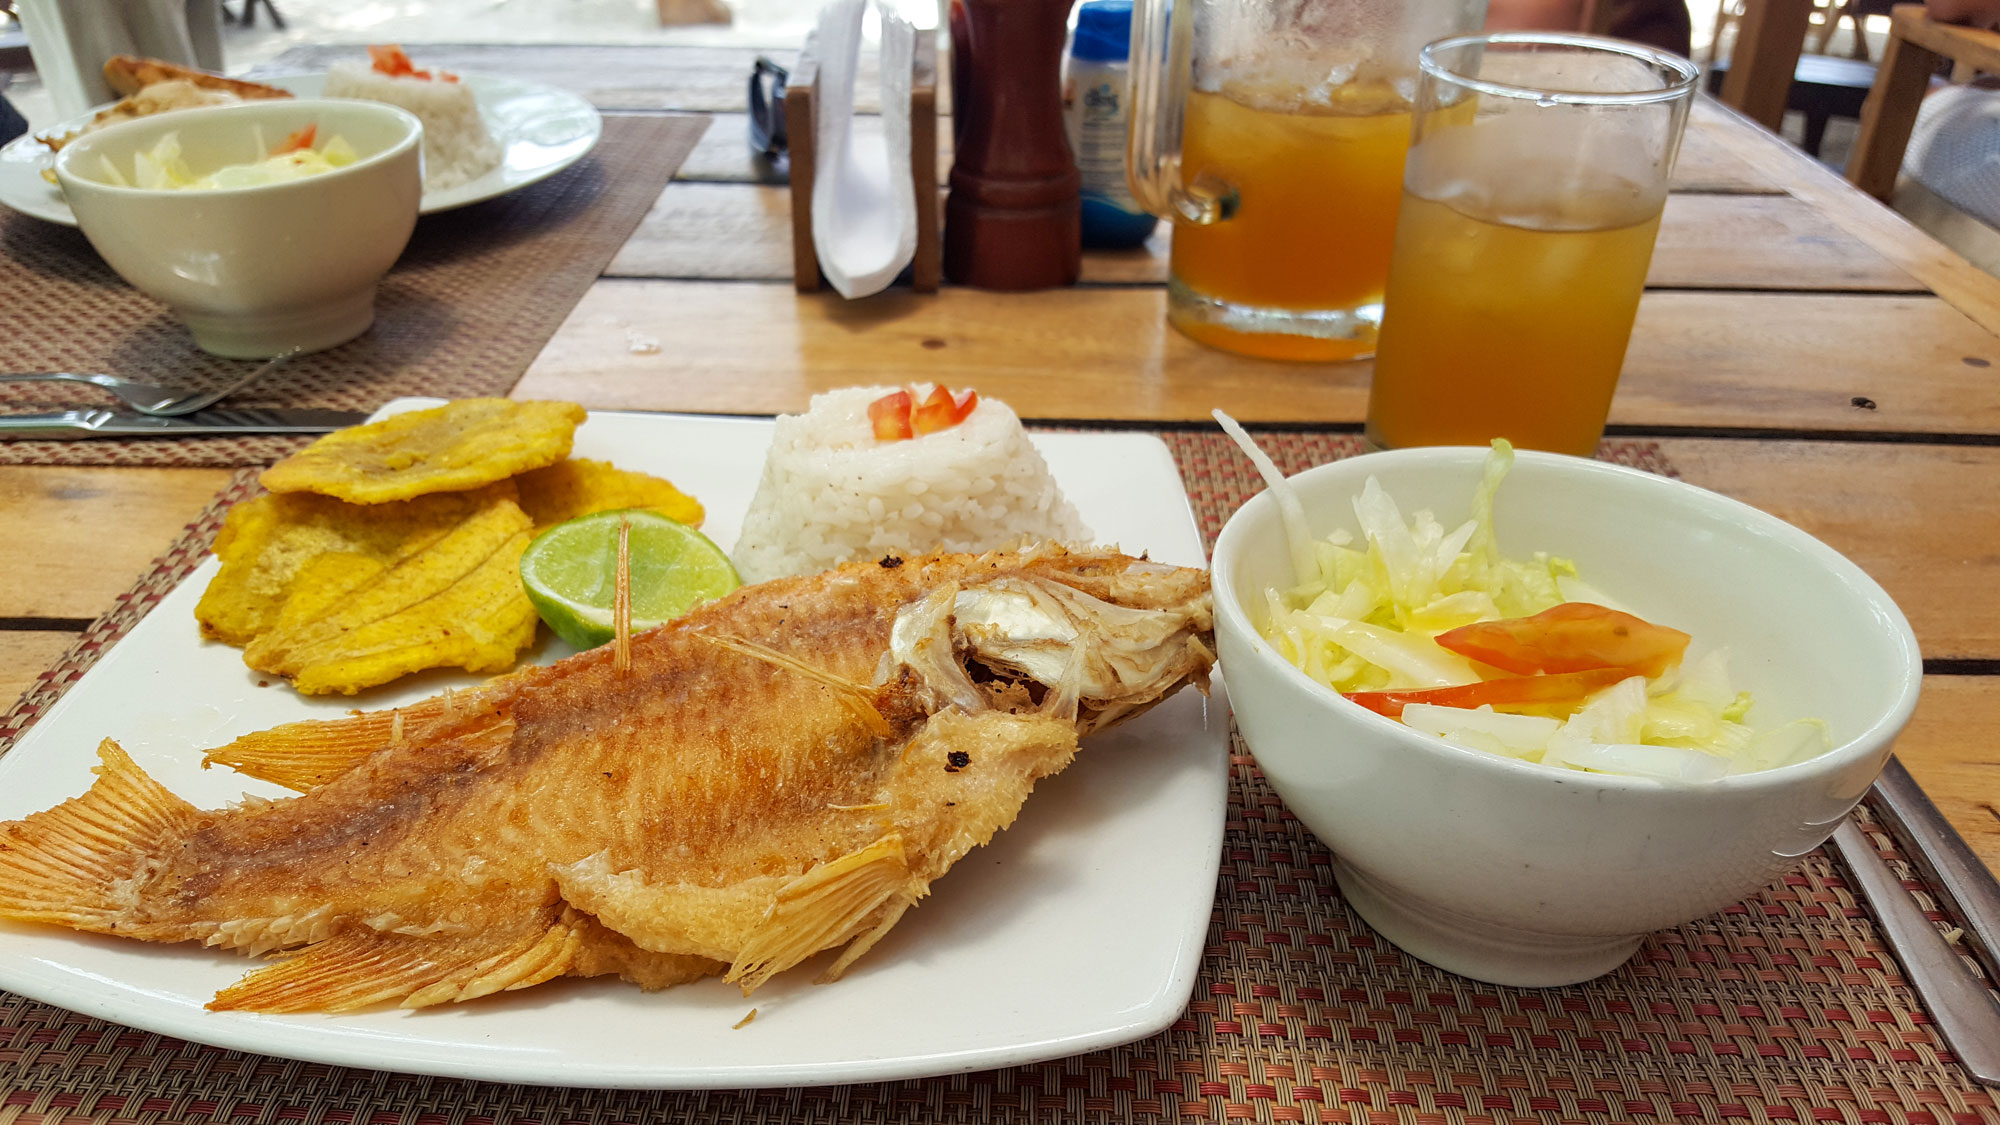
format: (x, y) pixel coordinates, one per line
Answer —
(1093, 638)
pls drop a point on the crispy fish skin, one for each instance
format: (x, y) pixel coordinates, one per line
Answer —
(783, 771)
(460, 445)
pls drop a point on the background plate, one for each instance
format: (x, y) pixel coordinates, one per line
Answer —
(542, 129)
(1080, 927)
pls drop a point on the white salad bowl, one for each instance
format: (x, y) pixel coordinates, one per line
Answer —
(1517, 873)
(255, 271)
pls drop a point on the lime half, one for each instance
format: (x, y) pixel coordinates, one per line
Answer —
(571, 573)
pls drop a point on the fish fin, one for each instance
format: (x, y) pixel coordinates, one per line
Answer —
(867, 941)
(74, 865)
(858, 698)
(306, 755)
(827, 906)
(364, 968)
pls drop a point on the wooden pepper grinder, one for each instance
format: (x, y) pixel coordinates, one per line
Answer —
(1013, 220)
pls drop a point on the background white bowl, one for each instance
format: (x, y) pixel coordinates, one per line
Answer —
(1521, 874)
(260, 270)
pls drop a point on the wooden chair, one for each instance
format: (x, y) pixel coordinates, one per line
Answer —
(1822, 89)
(1830, 13)
(1918, 47)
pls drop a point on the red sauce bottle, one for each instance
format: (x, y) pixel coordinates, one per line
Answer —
(1013, 219)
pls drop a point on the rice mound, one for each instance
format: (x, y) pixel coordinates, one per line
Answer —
(831, 493)
(457, 147)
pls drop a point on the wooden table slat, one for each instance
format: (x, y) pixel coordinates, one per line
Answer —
(1970, 289)
(1697, 359)
(742, 232)
(89, 533)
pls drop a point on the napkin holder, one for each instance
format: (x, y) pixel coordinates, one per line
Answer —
(801, 121)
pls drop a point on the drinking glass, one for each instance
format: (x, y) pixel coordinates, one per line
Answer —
(1272, 134)
(1531, 199)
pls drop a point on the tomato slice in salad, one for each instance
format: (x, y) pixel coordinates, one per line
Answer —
(1571, 637)
(298, 141)
(1566, 687)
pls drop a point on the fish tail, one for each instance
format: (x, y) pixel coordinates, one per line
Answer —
(365, 968)
(72, 865)
(855, 898)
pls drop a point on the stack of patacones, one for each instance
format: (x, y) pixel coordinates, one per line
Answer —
(395, 547)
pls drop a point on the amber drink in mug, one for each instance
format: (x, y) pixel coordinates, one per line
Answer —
(1531, 200)
(1272, 134)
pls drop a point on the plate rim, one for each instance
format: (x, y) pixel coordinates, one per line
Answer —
(468, 1059)
(434, 203)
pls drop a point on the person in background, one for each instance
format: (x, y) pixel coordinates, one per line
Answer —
(1955, 145)
(1976, 13)
(1657, 23)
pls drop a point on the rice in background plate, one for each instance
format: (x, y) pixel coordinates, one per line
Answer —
(457, 147)
(832, 493)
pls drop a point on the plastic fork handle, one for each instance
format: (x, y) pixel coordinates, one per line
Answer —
(1965, 1012)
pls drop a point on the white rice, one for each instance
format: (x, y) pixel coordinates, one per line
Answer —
(831, 493)
(457, 147)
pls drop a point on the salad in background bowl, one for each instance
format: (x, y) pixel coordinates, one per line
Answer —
(260, 261)
(1518, 857)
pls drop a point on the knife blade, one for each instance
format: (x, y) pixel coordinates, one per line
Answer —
(93, 422)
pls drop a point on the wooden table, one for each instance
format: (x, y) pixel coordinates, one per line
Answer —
(1800, 348)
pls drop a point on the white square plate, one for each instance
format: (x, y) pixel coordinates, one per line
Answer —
(1080, 927)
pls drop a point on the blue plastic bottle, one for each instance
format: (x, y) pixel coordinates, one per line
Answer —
(1095, 85)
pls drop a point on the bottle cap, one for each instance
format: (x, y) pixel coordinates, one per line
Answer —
(1103, 31)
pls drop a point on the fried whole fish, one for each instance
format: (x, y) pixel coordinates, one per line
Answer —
(781, 772)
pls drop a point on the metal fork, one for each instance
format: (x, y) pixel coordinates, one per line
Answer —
(146, 398)
(1962, 1010)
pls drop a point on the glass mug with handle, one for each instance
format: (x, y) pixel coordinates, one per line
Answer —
(1532, 197)
(1272, 134)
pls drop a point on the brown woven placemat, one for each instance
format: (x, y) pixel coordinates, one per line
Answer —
(469, 305)
(1784, 1008)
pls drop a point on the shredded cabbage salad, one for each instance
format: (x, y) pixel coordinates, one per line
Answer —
(1434, 627)
(163, 167)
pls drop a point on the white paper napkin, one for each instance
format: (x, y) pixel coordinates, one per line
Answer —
(864, 206)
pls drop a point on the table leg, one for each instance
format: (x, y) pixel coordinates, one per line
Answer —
(1769, 36)
(1889, 115)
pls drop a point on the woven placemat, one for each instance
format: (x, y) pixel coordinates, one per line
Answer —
(1783, 1008)
(469, 305)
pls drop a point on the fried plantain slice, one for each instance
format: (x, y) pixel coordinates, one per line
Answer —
(456, 602)
(579, 487)
(449, 448)
(278, 546)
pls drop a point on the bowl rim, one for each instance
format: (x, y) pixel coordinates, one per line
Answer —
(413, 136)
(1880, 732)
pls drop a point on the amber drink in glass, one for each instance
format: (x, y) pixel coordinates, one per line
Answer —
(1531, 201)
(1272, 134)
